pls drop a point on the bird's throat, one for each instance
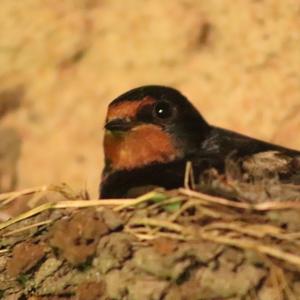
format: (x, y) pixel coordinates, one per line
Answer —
(141, 146)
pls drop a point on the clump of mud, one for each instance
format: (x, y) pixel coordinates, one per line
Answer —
(179, 244)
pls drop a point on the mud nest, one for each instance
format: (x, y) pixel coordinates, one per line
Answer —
(240, 242)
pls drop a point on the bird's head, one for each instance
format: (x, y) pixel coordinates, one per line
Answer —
(148, 125)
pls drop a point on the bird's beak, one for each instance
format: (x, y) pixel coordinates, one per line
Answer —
(118, 125)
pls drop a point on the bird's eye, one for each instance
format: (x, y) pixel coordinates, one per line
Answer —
(163, 110)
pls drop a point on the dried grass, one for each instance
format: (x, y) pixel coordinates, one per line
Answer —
(231, 223)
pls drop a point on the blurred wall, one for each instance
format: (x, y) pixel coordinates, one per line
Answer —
(238, 62)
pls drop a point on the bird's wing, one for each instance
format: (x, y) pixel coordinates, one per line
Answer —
(222, 142)
(255, 156)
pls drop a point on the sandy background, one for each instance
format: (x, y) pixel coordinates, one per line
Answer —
(62, 62)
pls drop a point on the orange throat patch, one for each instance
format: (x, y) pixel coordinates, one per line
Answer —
(141, 146)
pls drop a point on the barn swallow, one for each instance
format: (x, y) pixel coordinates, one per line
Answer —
(152, 131)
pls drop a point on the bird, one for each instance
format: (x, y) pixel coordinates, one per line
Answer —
(152, 131)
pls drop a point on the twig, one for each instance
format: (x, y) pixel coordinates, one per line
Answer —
(139, 200)
(270, 205)
(27, 227)
(63, 204)
(157, 223)
(253, 245)
(6, 198)
(214, 199)
(258, 231)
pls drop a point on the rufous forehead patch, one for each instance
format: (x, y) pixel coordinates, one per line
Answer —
(127, 108)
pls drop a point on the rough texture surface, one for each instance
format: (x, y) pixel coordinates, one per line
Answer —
(182, 245)
(122, 267)
(238, 61)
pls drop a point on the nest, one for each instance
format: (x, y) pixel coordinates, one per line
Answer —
(180, 244)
